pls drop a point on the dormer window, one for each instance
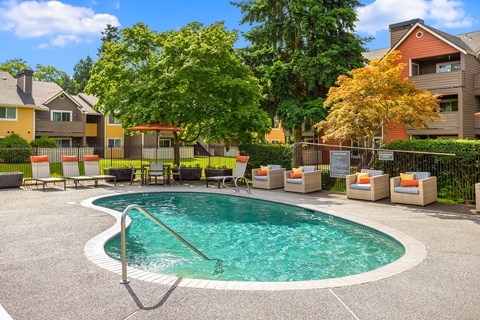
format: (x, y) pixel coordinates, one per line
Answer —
(448, 66)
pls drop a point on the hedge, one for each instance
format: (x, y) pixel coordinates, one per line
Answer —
(263, 154)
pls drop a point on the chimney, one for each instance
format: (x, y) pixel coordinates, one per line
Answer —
(25, 81)
(398, 30)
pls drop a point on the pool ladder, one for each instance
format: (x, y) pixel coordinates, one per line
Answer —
(218, 265)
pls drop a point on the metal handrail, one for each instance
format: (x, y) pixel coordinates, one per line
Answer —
(218, 266)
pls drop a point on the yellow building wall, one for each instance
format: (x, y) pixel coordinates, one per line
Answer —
(116, 132)
(23, 126)
(276, 134)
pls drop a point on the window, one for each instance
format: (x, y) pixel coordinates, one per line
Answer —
(449, 105)
(448, 66)
(164, 143)
(112, 120)
(274, 141)
(61, 115)
(8, 113)
(114, 142)
(64, 143)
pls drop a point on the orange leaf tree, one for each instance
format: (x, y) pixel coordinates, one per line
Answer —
(372, 100)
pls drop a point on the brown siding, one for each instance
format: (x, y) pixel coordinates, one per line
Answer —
(426, 46)
(470, 103)
(446, 126)
(434, 81)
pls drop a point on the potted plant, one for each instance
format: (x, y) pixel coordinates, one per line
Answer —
(188, 172)
(214, 170)
(122, 174)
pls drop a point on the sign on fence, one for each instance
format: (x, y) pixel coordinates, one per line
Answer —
(339, 163)
(385, 155)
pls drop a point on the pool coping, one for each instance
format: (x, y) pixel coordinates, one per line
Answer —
(415, 253)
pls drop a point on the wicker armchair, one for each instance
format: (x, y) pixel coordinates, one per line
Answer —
(273, 179)
(376, 190)
(425, 193)
(311, 181)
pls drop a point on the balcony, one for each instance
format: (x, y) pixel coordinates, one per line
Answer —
(59, 128)
(91, 130)
(446, 126)
(432, 81)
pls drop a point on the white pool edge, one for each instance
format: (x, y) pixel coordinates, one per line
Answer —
(415, 253)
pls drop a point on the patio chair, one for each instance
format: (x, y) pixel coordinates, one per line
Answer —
(268, 177)
(375, 186)
(157, 169)
(420, 192)
(92, 169)
(41, 172)
(71, 171)
(178, 174)
(238, 174)
(136, 172)
(306, 180)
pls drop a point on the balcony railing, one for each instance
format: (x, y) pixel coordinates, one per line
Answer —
(59, 128)
(446, 126)
(476, 83)
(91, 130)
(439, 80)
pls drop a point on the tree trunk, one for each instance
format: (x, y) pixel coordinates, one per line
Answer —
(176, 150)
(298, 155)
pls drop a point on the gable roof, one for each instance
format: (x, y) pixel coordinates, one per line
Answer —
(86, 103)
(11, 95)
(452, 40)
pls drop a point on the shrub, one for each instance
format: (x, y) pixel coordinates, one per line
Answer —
(14, 149)
(44, 142)
(262, 154)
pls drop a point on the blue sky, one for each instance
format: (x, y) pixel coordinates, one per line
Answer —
(60, 33)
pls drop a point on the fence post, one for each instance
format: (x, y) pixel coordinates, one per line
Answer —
(111, 155)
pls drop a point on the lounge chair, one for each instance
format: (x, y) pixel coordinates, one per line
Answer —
(423, 194)
(272, 178)
(41, 172)
(92, 169)
(308, 180)
(375, 188)
(157, 169)
(238, 174)
(71, 171)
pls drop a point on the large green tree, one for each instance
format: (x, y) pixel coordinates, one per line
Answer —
(81, 72)
(110, 34)
(298, 49)
(52, 74)
(189, 78)
(14, 65)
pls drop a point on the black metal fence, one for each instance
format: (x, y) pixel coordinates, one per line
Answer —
(456, 173)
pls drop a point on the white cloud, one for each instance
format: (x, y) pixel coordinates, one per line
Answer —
(60, 23)
(439, 13)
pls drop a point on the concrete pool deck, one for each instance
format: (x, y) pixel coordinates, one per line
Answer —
(46, 275)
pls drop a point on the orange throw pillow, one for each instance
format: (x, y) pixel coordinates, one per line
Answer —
(90, 158)
(296, 175)
(242, 158)
(261, 172)
(364, 181)
(69, 158)
(409, 183)
(39, 159)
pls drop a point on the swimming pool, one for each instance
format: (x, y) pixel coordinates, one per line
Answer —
(257, 240)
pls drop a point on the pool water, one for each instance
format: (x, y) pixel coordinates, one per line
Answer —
(256, 240)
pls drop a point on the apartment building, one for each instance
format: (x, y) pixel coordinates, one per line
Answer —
(443, 64)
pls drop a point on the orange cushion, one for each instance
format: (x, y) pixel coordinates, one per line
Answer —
(242, 158)
(90, 158)
(294, 175)
(262, 172)
(69, 158)
(409, 183)
(39, 159)
(364, 181)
